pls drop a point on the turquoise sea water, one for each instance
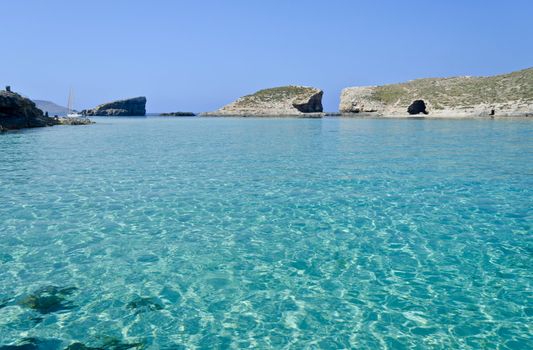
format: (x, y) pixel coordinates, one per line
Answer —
(268, 233)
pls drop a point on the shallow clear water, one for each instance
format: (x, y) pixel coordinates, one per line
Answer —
(269, 233)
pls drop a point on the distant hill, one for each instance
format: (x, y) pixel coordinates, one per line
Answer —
(51, 107)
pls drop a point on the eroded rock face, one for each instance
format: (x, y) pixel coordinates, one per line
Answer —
(17, 112)
(279, 101)
(501, 95)
(359, 100)
(309, 104)
(130, 107)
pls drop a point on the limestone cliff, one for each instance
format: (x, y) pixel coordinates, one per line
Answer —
(130, 107)
(279, 101)
(17, 112)
(501, 95)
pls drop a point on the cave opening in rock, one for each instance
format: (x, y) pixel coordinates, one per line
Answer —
(417, 107)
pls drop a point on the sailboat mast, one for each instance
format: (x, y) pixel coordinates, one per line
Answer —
(70, 98)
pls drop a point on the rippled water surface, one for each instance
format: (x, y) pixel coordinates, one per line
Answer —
(169, 233)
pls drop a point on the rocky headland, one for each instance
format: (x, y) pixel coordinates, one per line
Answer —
(503, 95)
(18, 112)
(129, 107)
(300, 101)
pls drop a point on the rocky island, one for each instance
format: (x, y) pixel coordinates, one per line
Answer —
(178, 114)
(129, 107)
(17, 112)
(301, 101)
(501, 95)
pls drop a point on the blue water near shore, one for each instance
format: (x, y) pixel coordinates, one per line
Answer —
(268, 233)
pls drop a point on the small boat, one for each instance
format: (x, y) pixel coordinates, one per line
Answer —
(71, 112)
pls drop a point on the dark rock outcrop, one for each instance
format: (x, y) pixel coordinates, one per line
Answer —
(178, 114)
(312, 104)
(17, 112)
(130, 107)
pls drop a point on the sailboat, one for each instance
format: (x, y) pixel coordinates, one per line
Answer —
(71, 112)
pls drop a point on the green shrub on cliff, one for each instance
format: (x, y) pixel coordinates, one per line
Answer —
(460, 90)
(276, 94)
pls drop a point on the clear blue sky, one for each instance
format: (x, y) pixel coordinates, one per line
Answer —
(198, 55)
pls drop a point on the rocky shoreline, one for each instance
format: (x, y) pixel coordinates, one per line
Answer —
(525, 115)
(501, 96)
(73, 121)
(18, 112)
